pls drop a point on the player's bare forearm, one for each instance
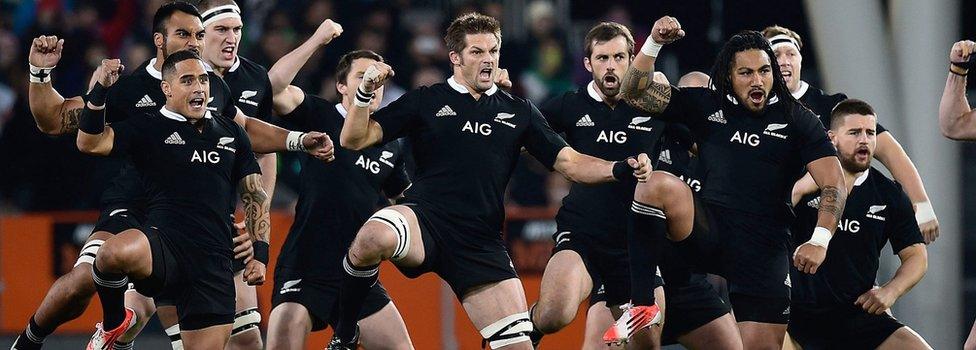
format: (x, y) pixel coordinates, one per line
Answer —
(97, 145)
(581, 168)
(283, 72)
(287, 100)
(894, 157)
(269, 171)
(257, 206)
(53, 114)
(827, 173)
(803, 187)
(265, 137)
(359, 131)
(957, 120)
(914, 263)
(639, 89)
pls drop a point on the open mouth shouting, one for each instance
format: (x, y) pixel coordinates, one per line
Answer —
(757, 96)
(610, 81)
(227, 53)
(198, 104)
(485, 73)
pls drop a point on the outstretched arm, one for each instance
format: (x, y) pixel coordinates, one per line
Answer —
(287, 97)
(827, 173)
(257, 221)
(894, 157)
(581, 168)
(94, 137)
(957, 120)
(638, 87)
(359, 131)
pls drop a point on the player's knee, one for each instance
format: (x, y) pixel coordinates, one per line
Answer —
(657, 187)
(372, 241)
(510, 330)
(551, 319)
(77, 284)
(246, 340)
(112, 256)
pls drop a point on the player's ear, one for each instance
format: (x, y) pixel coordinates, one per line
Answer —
(833, 137)
(455, 58)
(341, 88)
(159, 40)
(164, 85)
(586, 63)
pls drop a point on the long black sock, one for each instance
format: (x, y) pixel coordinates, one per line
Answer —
(32, 337)
(111, 292)
(646, 231)
(356, 283)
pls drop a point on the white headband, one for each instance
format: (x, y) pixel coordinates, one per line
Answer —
(220, 12)
(783, 39)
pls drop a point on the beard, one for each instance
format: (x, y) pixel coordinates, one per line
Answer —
(851, 164)
(602, 83)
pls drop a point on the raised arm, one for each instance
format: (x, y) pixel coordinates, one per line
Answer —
(914, 262)
(257, 221)
(894, 157)
(94, 137)
(359, 131)
(638, 88)
(283, 72)
(581, 168)
(957, 120)
(829, 177)
(54, 114)
(268, 138)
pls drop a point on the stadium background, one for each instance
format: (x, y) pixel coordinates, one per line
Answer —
(891, 53)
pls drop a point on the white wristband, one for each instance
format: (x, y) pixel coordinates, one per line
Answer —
(294, 141)
(40, 75)
(362, 98)
(924, 212)
(650, 47)
(821, 237)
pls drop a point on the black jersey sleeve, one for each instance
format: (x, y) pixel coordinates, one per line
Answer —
(298, 117)
(245, 162)
(399, 117)
(540, 140)
(553, 110)
(129, 135)
(686, 106)
(264, 106)
(811, 139)
(397, 181)
(900, 227)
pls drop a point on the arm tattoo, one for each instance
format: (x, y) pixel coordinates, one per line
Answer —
(69, 120)
(832, 201)
(642, 92)
(257, 205)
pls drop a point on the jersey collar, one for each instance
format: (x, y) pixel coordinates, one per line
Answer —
(151, 69)
(591, 90)
(802, 90)
(178, 117)
(772, 100)
(861, 178)
(237, 63)
(460, 88)
(341, 109)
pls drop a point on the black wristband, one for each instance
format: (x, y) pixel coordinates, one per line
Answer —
(97, 95)
(969, 64)
(91, 121)
(261, 251)
(622, 171)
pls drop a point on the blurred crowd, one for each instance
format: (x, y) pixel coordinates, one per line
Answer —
(542, 50)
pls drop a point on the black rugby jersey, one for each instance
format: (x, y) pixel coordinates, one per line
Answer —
(337, 197)
(189, 175)
(822, 104)
(749, 161)
(250, 88)
(139, 94)
(877, 212)
(465, 149)
(592, 127)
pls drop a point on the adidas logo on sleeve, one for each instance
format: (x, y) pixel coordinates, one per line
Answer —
(445, 111)
(145, 101)
(174, 139)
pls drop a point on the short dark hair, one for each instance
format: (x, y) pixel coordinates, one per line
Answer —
(166, 11)
(470, 23)
(606, 31)
(848, 107)
(345, 63)
(169, 65)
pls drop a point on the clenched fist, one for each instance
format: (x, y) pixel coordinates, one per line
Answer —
(667, 30)
(327, 31)
(45, 51)
(376, 75)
